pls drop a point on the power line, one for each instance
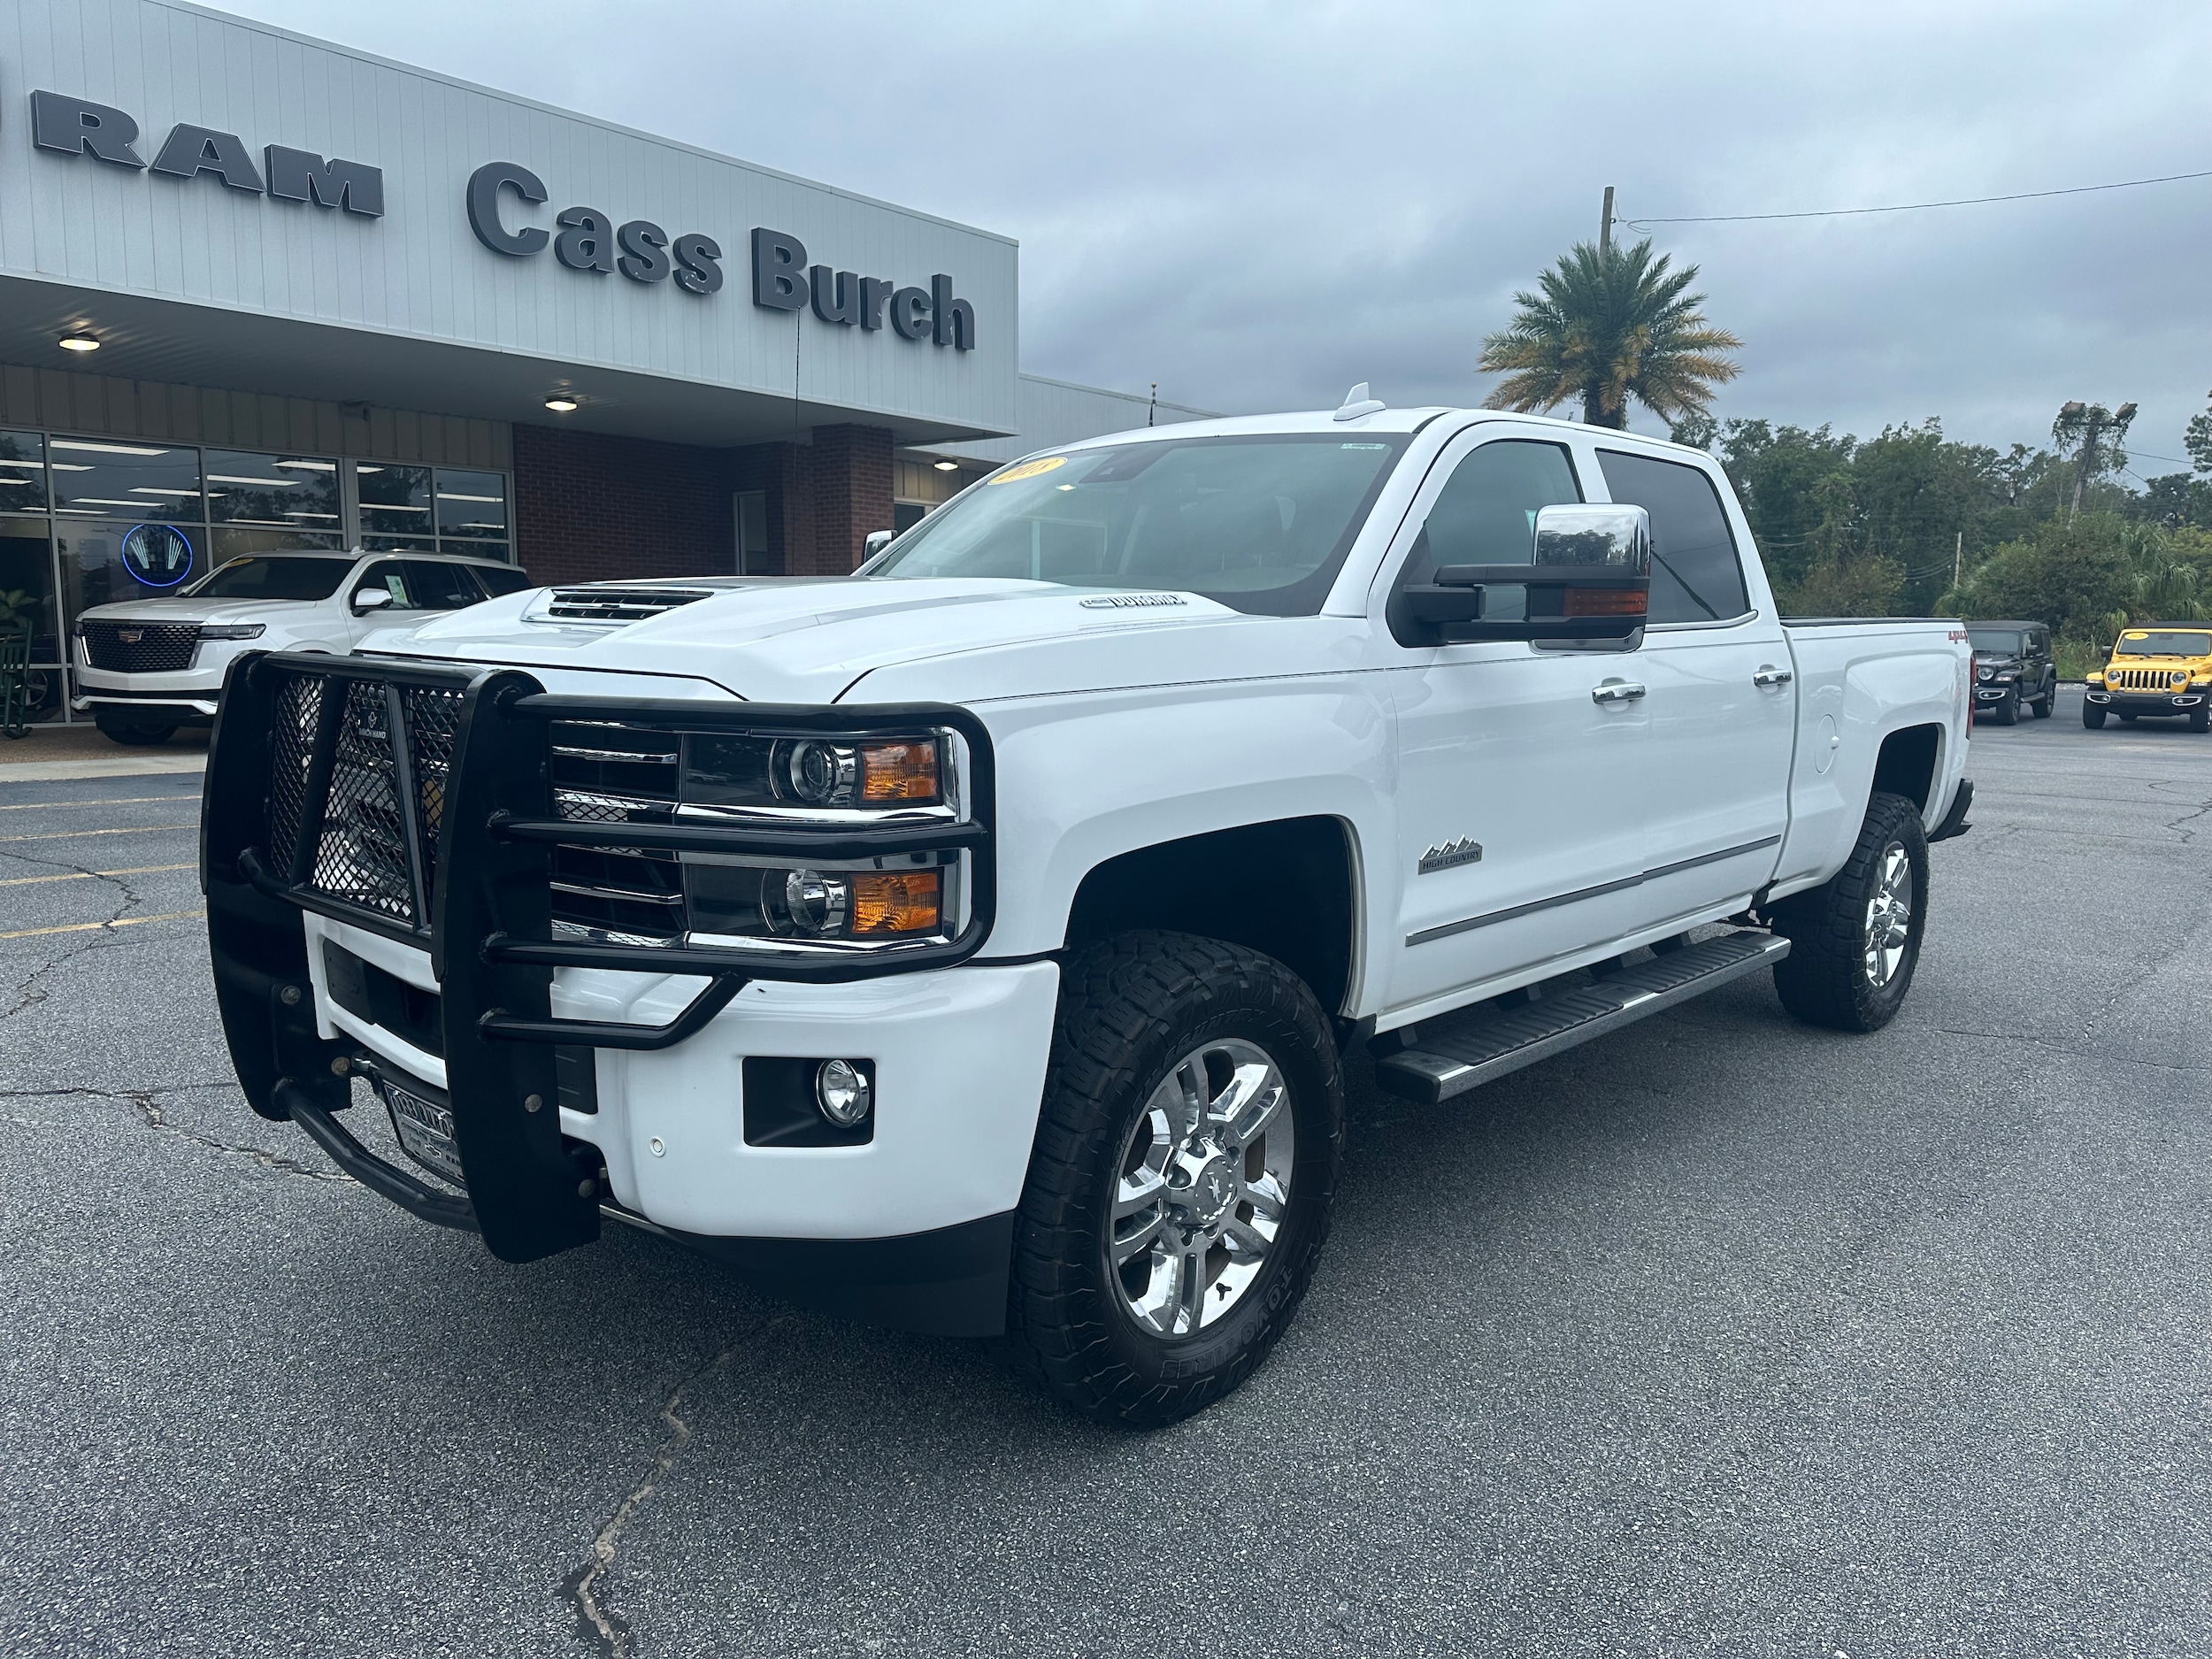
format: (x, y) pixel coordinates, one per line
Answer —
(1913, 207)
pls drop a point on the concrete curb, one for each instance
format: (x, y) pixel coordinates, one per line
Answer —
(121, 766)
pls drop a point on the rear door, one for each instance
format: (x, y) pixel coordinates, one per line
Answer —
(1721, 701)
(1519, 836)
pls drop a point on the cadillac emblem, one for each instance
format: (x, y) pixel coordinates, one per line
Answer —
(159, 554)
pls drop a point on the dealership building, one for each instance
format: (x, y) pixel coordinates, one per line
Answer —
(261, 292)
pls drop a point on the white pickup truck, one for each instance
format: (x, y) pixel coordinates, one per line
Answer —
(975, 944)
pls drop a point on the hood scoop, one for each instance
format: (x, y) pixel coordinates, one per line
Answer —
(612, 602)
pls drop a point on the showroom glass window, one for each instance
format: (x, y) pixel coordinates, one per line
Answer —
(265, 503)
(26, 561)
(431, 509)
(129, 519)
(95, 521)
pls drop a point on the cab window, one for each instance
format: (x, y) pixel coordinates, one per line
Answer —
(1695, 574)
(441, 586)
(392, 578)
(498, 580)
(1487, 515)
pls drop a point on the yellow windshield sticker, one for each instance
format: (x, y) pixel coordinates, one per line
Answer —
(1028, 469)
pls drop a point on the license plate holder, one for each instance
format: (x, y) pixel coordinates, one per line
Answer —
(425, 1131)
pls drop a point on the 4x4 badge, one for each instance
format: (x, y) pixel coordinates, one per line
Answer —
(1451, 855)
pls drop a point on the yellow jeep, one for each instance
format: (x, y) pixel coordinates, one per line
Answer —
(2160, 668)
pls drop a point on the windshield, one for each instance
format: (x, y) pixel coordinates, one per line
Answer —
(1995, 642)
(1259, 523)
(2163, 645)
(271, 578)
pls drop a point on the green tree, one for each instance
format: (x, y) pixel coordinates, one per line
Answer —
(2072, 572)
(1777, 471)
(2197, 436)
(1606, 325)
(2099, 432)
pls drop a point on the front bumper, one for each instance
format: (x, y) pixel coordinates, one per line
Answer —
(959, 1057)
(499, 1007)
(193, 693)
(2147, 702)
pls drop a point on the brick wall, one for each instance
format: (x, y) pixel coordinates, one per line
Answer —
(848, 474)
(590, 508)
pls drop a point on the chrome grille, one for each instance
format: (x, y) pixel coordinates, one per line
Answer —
(605, 773)
(141, 648)
(618, 604)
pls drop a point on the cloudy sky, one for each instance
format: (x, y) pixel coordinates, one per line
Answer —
(1255, 204)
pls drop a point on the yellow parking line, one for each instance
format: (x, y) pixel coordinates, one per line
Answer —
(71, 835)
(87, 875)
(123, 800)
(94, 928)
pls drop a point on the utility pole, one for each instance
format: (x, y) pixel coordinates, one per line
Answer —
(1958, 560)
(1152, 408)
(1605, 225)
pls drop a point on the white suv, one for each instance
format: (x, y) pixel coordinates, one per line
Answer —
(146, 666)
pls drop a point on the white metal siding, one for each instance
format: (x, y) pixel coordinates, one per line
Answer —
(418, 270)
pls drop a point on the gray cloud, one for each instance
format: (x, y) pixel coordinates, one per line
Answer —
(1257, 205)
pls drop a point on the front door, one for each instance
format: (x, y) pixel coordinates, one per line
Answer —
(1519, 837)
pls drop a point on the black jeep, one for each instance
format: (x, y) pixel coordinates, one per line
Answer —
(2012, 666)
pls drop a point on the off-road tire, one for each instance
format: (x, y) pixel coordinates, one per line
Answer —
(1823, 981)
(2200, 717)
(2092, 716)
(135, 733)
(2007, 712)
(1130, 1008)
(2044, 704)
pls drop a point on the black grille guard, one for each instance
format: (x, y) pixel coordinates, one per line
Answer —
(444, 775)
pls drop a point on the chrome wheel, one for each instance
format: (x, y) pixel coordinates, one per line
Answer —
(1203, 1187)
(1889, 915)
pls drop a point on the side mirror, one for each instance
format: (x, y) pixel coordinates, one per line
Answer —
(878, 539)
(1588, 578)
(371, 599)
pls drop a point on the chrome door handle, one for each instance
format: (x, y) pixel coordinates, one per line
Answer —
(1769, 675)
(1616, 691)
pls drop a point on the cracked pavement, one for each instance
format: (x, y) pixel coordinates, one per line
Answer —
(1719, 1336)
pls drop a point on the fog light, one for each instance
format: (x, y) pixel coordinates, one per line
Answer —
(842, 1092)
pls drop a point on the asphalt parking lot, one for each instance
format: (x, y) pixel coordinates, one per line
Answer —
(1719, 1336)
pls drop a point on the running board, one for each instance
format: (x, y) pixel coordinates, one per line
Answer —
(1467, 1049)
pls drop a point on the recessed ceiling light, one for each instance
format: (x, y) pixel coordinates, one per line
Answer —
(561, 403)
(948, 467)
(79, 342)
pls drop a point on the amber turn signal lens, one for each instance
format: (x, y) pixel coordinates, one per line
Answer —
(906, 902)
(899, 771)
(1606, 601)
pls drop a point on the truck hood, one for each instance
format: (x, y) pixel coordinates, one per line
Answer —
(812, 640)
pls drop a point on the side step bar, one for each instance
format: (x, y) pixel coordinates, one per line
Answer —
(1465, 1050)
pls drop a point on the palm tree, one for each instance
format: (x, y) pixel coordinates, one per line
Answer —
(1611, 324)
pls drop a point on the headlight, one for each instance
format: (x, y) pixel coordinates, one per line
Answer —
(2180, 677)
(816, 773)
(233, 630)
(1984, 673)
(748, 901)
